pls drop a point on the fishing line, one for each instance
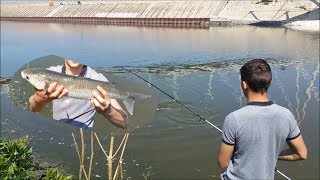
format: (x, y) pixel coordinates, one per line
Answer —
(195, 113)
(201, 118)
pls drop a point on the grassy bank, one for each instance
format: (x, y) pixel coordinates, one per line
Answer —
(18, 162)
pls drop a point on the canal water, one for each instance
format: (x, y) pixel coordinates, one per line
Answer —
(199, 67)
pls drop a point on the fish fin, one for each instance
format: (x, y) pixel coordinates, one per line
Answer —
(129, 103)
(138, 96)
(44, 89)
(46, 86)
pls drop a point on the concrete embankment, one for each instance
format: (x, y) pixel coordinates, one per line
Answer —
(163, 13)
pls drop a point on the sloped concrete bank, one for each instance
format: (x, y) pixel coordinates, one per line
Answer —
(178, 13)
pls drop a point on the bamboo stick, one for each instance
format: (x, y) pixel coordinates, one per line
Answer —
(75, 143)
(110, 158)
(123, 139)
(74, 139)
(101, 146)
(84, 172)
(82, 153)
(81, 168)
(91, 157)
(124, 147)
(119, 167)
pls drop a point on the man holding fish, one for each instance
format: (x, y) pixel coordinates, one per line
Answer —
(78, 111)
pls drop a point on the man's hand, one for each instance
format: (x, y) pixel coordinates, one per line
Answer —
(297, 151)
(109, 108)
(101, 100)
(40, 98)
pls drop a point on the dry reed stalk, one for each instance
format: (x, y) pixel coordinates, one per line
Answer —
(84, 172)
(123, 139)
(82, 153)
(101, 146)
(81, 168)
(126, 136)
(119, 166)
(110, 157)
(91, 157)
(119, 169)
(74, 139)
(75, 143)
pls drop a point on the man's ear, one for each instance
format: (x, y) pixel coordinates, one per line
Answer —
(244, 85)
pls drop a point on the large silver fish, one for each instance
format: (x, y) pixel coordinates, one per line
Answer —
(79, 87)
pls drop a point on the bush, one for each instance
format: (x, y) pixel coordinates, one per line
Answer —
(53, 174)
(15, 161)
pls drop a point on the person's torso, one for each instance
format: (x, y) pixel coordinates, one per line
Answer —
(261, 134)
(78, 112)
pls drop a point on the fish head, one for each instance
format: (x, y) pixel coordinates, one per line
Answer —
(35, 77)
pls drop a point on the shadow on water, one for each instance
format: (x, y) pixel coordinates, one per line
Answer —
(144, 109)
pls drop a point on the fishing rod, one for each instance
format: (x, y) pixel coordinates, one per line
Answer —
(192, 111)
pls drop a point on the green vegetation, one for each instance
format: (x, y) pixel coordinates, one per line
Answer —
(16, 162)
(53, 174)
(15, 159)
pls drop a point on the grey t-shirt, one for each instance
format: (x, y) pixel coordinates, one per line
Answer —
(258, 132)
(78, 112)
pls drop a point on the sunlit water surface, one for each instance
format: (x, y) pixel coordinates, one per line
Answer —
(199, 67)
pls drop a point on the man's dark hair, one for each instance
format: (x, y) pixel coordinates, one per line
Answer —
(257, 73)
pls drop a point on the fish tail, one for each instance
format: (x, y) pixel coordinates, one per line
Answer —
(129, 102)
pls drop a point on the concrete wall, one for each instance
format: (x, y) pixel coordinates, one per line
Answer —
(215, 10)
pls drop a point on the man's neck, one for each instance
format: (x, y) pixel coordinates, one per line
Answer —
(257, 97)
(75, 71)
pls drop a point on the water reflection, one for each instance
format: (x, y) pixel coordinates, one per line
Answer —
(225, 75)
(199, 67)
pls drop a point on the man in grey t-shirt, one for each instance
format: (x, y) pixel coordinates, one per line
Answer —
(254, 136)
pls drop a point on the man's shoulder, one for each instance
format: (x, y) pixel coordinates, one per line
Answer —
(91, 71)
(57, 68)
(283, 111)
(275, 106)
(280, 107)
(242, 110)
(93, 74)
(246, 110)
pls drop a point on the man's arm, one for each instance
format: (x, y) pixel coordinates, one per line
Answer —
(228, 137)
(297, 151)
(40, 98)
(109, 108)
(225, 154)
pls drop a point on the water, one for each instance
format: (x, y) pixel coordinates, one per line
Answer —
(199, 67)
